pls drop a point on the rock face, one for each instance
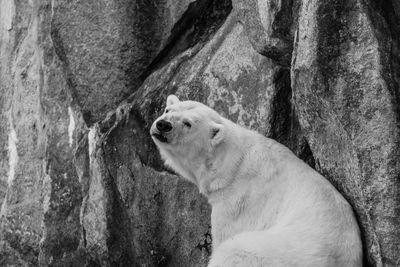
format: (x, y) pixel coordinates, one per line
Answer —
(345, 79)
(81, 182)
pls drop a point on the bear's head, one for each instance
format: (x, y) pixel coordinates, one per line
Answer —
(188, 134)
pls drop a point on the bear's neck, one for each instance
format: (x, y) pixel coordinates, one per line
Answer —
(226, 167)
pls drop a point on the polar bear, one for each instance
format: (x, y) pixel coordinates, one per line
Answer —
(269, 208)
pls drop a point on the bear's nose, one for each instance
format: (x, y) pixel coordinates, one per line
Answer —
(164, 126)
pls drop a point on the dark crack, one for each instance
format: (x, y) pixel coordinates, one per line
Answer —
(206, 242)
(195, 27)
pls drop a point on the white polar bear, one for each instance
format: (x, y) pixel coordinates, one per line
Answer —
(269, 208)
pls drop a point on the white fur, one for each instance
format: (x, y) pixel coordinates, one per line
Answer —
(269, 208)
(171, 99)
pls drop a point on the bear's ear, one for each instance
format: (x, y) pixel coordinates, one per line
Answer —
(217, 133)
(172, 99)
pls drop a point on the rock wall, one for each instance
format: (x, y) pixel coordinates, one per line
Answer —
(81, 182)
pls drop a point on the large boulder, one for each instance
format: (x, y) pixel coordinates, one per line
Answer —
(41, 205)
(105, 46)
(345, 77)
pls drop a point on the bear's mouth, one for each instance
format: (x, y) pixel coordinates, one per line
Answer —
(160, 137)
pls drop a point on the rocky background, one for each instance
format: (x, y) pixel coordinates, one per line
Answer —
(82, 184)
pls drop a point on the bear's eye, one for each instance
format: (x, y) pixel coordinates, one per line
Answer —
(187, 124)
(166, 110)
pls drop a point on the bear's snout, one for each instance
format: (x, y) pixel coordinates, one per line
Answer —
(164, 126)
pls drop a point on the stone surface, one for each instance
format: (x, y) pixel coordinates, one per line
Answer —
(41, 207)
(81, 182)
(346, 94)
(268, 24)
(20, 228)
(105, 46)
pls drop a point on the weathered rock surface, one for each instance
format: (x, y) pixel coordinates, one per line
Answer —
(81, 182)
(105, 46)
(347, 96)
(269, 26)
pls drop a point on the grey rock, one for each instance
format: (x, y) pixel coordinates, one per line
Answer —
(346, 92)
(269, 26)
(105, 46)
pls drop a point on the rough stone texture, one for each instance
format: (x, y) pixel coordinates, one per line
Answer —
(40, 210)
(21, 208)
(81, 182)
(268, 24)
(105, 46)
(347, 96)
